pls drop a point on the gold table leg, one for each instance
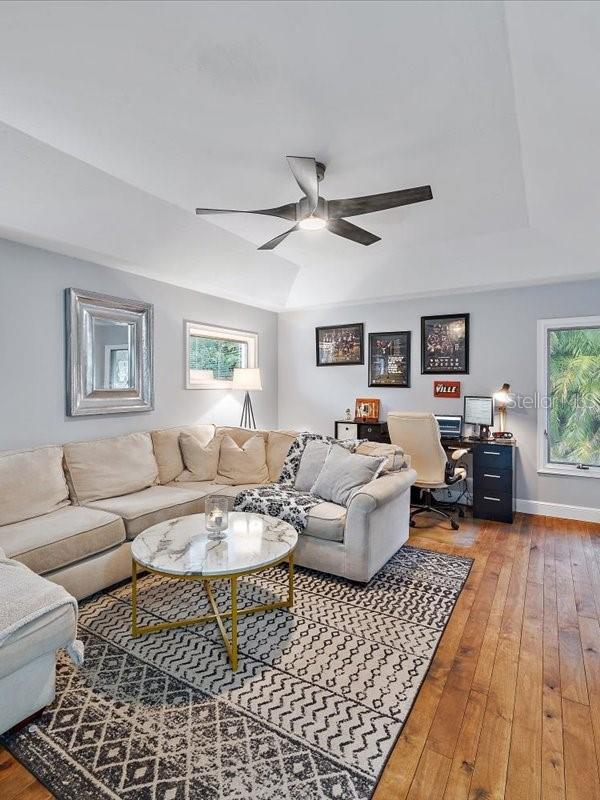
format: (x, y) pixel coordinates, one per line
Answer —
(231, 644)
(134, 626)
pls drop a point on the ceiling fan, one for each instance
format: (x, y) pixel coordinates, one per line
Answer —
(313, 212)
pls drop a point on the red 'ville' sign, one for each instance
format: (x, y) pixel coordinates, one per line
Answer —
(446, 389)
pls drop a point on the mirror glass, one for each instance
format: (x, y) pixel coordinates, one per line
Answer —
(112, 344)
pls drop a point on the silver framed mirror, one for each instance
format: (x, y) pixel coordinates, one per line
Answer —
(110, 367)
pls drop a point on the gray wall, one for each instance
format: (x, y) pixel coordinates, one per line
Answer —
(503, 348)
(32, 357)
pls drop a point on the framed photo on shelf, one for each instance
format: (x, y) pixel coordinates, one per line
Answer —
(389, 359)
(340, 345)
(445, 345)
(367, 409)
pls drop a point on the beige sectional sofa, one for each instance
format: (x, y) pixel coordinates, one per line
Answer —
(69, 512)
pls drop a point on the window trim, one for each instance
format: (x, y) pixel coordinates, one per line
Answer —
(192, 328)
(546, 467)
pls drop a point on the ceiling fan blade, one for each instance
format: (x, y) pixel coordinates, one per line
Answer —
(272, 243)
(287, 211)
(349, 231)
(352, 206)
(305, 171)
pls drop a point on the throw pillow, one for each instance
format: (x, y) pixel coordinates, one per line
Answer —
(343, 472)
(245, 464)
(201, 461)
(395, 457)
(311, 464)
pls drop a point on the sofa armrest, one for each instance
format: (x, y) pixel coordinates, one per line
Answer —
(377, 523)
(380, 491)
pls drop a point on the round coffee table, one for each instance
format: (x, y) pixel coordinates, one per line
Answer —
(180, 548)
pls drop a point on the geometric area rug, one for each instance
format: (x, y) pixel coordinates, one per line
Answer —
(321, 693)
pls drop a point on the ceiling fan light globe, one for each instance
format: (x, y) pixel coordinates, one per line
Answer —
(312, 224)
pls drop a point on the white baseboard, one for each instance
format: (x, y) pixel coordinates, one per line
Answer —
(559, 510)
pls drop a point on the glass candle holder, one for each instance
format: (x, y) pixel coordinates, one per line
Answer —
(217, 516)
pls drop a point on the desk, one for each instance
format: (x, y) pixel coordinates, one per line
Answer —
(493, 471)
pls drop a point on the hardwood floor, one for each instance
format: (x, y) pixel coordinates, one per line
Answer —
(510, 707)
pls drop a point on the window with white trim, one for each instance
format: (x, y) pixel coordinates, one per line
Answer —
(212, 353)
(569, 396)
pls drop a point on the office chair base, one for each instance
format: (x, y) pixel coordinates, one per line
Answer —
(428, 507)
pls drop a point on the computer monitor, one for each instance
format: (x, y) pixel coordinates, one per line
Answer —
(450, 425)
(480, 411)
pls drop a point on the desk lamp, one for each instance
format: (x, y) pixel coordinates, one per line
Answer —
(501, 398)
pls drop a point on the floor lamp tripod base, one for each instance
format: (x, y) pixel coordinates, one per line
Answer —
(247, 420)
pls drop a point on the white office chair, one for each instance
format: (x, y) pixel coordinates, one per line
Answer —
(419, 435)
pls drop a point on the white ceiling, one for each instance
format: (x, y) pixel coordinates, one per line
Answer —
(119, 118)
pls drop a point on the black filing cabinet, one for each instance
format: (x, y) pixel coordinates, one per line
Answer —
(494, 481)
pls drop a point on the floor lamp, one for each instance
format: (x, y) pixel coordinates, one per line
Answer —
(247, 380)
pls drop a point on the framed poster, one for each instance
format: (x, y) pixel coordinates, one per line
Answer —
(389, 359)
(339, 345)
(445, 345)
(446, 389)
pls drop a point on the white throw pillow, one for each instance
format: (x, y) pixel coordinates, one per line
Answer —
(201, 462)
(311, 464)
(343, 473)
(245, 464)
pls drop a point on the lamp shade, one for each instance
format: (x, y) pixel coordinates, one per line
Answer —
(501, 396)
(247, 379)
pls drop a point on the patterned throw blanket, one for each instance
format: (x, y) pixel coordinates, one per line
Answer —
(280, 499)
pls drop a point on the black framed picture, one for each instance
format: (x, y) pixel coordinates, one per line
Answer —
(389, 359)
(339, 345)
(445, 345)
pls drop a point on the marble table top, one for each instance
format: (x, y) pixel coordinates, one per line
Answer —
(181, 546)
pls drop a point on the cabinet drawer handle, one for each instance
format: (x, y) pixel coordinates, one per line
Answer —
(489, 475)
(495, 499)
(491, 453)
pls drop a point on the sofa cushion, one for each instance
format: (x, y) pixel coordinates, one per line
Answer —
(326, 521)
(344, 472)
(243, 464)
(32, 483)
(46, 634)
(311, 464)
(141, 510)
(61, 538)
(109, 467)
(201, 459)
(278, 446)
(167, 451)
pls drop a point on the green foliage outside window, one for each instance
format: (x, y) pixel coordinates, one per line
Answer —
(574, 391)
(221, 356)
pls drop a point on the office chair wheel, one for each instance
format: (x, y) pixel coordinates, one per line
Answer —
(461, 513)
(412, 523)
(454, 524)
